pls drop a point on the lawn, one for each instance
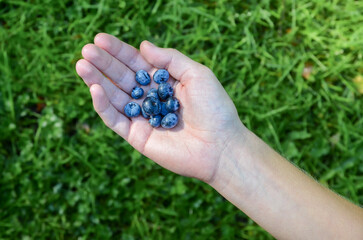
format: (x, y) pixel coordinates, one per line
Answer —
(293, 69)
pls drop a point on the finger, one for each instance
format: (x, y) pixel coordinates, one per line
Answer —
(122, 51)
(120, 74)
(91, 75)
(110, 116)
(136, 132)
(179, 66)
(126, 54)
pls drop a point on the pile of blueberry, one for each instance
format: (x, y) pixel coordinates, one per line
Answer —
(159, 106)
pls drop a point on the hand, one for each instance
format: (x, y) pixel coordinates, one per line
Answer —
(208, 120)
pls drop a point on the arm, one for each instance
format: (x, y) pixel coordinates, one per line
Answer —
(210, 142)
(281, 198)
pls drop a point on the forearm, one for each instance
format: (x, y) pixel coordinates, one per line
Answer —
(281, 198)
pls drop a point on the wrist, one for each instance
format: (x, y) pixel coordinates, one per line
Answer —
(229, 163)
(241, 165)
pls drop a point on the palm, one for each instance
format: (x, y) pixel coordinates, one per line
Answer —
(193, 147)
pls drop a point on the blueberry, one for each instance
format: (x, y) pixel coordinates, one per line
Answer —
(144, 114)
(137, 92)
(153, 93)
(155, 121)
(170, 120)
(132, 109)
(142, 77)
(165, 90)
(172, 104)
(163, 109)
(160, 76)
(151, 106)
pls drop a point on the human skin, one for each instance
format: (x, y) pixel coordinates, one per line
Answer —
(211, 143)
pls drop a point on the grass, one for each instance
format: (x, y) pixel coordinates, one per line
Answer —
(64, 175)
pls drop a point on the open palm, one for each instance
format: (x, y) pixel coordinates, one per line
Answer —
(208, 120)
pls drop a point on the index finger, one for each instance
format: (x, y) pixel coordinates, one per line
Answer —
(124, 52)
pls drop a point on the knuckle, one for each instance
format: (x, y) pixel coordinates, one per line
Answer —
(173, 51)
(133, 59)
(206, 70)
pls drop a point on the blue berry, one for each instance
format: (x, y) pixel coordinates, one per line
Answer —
(137, 92)
(160, 76)
(155, 121)
(165, 90)
(163, 109)
(153, 93)
(144, 114)
(132, 109)
(142, 77)
(151, 106)
(172, 104)
(170, 120)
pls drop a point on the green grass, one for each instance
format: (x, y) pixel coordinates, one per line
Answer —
(64, 175)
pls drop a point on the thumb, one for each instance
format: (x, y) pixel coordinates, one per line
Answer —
(178, 65)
